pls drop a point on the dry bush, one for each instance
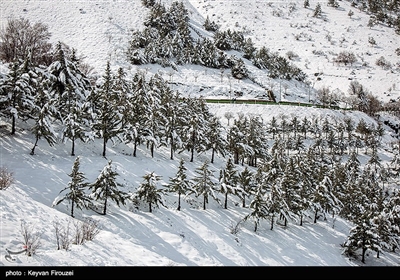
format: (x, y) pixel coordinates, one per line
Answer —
(20, 38)
(31, 240)
(6, 178)
(85, 231)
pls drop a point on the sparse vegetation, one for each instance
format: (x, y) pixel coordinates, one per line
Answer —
(6, 178)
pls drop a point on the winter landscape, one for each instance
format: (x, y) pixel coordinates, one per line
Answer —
(200, 133)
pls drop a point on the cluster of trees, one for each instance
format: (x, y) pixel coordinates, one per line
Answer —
(166, 40)
(291, 183)
(384, 12)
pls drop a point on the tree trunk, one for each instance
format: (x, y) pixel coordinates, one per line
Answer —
(13, 125)
(363, 252)
(104, 146)
(315, 216)
(150, 210)
(73, 146)
(105, 206)
(212, 155)
(226, 201)
(34, 146)
(204, 202)
(152, 149)
(179, 202)
(272, 222)
(192, 154)
(172, 148)
(134, 148)
(301, 219)
(72, 209)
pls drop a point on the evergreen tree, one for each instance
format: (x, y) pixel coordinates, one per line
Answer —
(172, 120)
(107, 119)
(317, 10)
(149, 192)
(228, 181)
(76, 188)
(106, 187)
(17, 93)
(204, 184)
(43, 111)
(194, 134)
(258, 208)
(216, 140)
(274, 203)
(245, 182)
(180, 183)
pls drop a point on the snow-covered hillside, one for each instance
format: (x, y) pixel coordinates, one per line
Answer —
(100, 31)
(132, 236)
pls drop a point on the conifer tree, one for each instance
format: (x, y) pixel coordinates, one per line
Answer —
(76, 189)
(274, 203)
(107, 119)
(44, 112)
(245, 181)
(172, 120)
(149, 192)
(17, 93)
(317, 10)
(228, 181)
(258, 208)
(179, 183)
(106, 187)
(204, 184)
(216, 140)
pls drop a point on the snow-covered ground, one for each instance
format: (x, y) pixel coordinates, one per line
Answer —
(166, 237)
(100, 30)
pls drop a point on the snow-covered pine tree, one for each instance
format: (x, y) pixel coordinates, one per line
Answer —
(135, 128)
(149, 192)
(257, 140)
(274, 202)
(290, 184)
(216, 138)
(305, 126)
(69, 89)
(171, 120)
(204, 184)
(258, 208)
(273, 127)
(194, 134)
(392, 208)
(180, 184)
(153, 121)
(106, 187)
(43, 113)
(17, 93)
(76, 189)
(228, 181)
(107, 118)
(246, 184)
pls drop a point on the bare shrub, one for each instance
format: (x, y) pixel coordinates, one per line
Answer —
(6, 178)
(346, 57)
(383, 62)
(31, 240)
(85, 231)
(90, 228)
(20, 38)
(62, 235)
